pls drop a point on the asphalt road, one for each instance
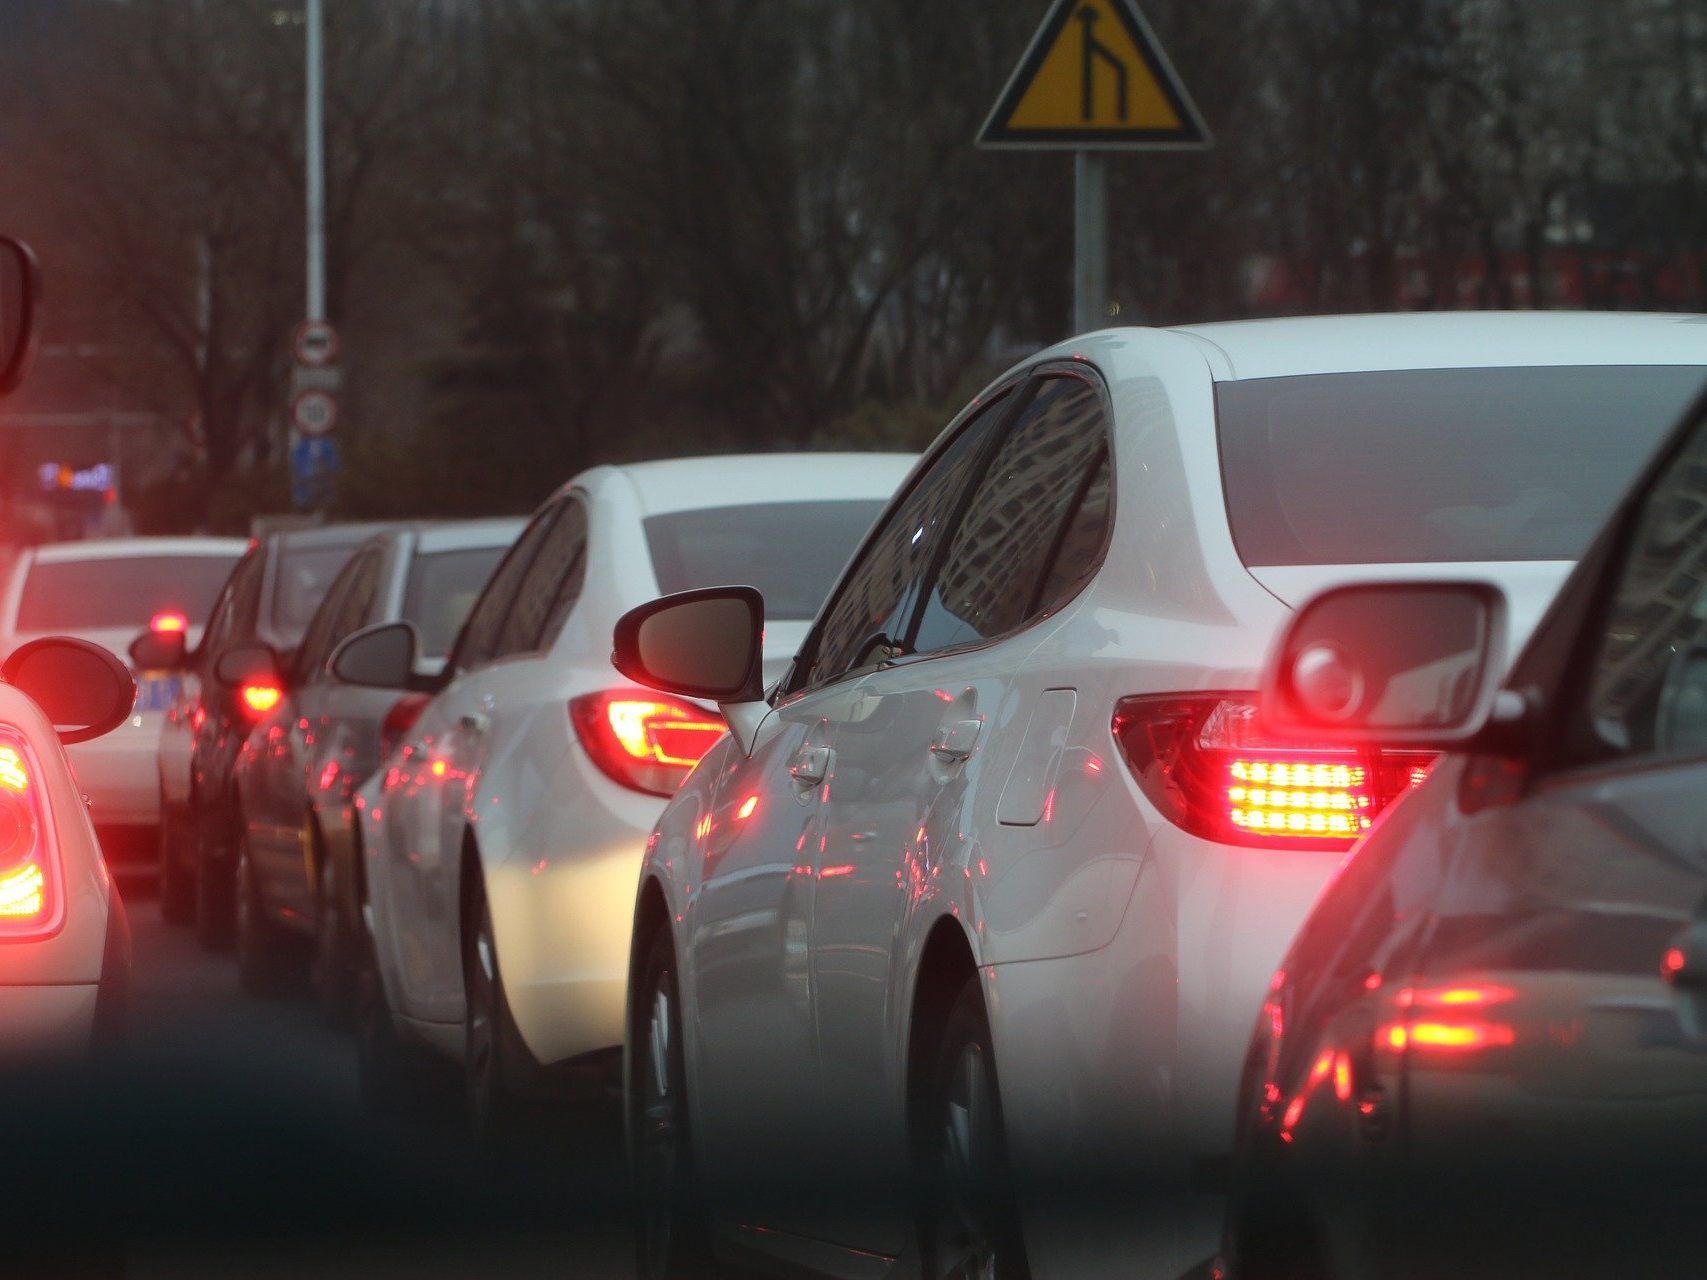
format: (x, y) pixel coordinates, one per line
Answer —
(227, 1139)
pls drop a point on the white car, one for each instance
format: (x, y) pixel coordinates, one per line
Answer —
(104, 591)
(64, 938)
(970, 919)
(502, 843)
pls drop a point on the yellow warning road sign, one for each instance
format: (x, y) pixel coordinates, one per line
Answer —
(1094, 77)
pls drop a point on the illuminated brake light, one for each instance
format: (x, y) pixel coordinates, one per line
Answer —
(1204, 764)
(23, 893)
(646, 741)
(28, 876)
(258, 698)
(168, 620)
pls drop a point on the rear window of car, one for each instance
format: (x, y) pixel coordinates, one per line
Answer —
(1435, 465)
(119, 591)
(791, 551)
(299, 585)
(443, 586)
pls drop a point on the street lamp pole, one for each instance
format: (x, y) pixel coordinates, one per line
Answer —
(315, 151)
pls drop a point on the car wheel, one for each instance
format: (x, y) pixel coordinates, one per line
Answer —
(177, 889)
(495, 1114)
(395, 1077)
(968, 1217)
(216, 907)
(266, 954)
(335, 970)
(670, 1240)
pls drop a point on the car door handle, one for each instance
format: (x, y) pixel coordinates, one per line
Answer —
(475, 722)
(954, 742)
(810, 766)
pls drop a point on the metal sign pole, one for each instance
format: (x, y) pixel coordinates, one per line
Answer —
(1090, 241)
(316, 162)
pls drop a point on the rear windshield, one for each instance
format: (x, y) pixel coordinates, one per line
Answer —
(791, 551)
(1439, 464)
(120, 591)
(442, 588)
(299, 585)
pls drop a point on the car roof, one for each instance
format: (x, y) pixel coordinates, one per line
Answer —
(121, 548)
(331, 535)
(687, 484)
(466, 535)
(1297, 345)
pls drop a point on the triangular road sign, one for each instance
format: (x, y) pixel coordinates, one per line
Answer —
(1094, 77)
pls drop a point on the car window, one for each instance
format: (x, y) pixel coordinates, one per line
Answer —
(318, 641)
(573, 579)
(876, 601)
(300, 583)
(559, 564)
(119, 592)
(245, 601)
(1648, 688)
(1000, 552)
(356, 608)
(479, 639)
(443, 586)
(223, 620)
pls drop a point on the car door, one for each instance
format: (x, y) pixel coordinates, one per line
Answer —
(747, 925)
(426, 797)
(1554, 1035)
(931, 738)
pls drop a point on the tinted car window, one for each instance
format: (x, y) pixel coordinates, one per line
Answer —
(1438, 464)
(1001, 548)
(790, 551)
(321, 637)
(443, 586)
(559, 562)
(119, 592)
(878, 597)
(479, 637)
(224, 623)
(356, 607)
(300, 583)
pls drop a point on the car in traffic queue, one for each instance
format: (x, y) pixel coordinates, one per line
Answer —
(967, 922)
(103, 589)
(502, 841)
(269, 597)
(298, 877)
(1485, 1054)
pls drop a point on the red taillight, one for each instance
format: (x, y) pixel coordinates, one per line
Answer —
(647, 741)
(1205, 765)
(259, 697)
(168, 620)
(399, 721)
(28, 888)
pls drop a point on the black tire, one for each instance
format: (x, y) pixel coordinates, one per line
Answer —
(177, 887)
(670, 1238)
(395, 1078)
(268, 957)
(967, 1214)
(491, 1042)
(216, 889)
(336, 968)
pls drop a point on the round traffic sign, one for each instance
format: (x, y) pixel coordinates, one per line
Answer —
(315, 343)
(314, 413)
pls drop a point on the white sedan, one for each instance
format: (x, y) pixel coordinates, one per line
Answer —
(502, 843)
(970, 920)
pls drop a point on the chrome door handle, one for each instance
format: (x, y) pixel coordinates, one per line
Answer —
(810, 766)
(953, 743)
(475, 722)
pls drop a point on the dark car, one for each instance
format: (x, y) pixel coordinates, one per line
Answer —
(298, 869)
(269, 599)
(1486, 1052)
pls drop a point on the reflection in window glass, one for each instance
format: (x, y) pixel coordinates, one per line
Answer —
(443, 586)
(300, 584)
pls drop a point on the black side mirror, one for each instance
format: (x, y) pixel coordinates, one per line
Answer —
(80, 687)
(1399, 663)
(249, 663)
(20, 304)
(159, 651)
(700, 644)
(380, 657)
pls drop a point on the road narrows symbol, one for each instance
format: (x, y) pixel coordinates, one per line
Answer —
(1092, 50)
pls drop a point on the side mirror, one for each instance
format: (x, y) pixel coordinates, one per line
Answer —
(700, 644)
(1402, 663)
(20, 303)
(80, 687)
(246, 664)
(159, 651)
(381, 656)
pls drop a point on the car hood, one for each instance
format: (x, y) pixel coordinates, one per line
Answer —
(1529, 585)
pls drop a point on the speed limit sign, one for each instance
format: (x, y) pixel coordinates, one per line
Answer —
(314, 412)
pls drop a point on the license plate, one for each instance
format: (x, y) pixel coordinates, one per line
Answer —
(156, 693)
